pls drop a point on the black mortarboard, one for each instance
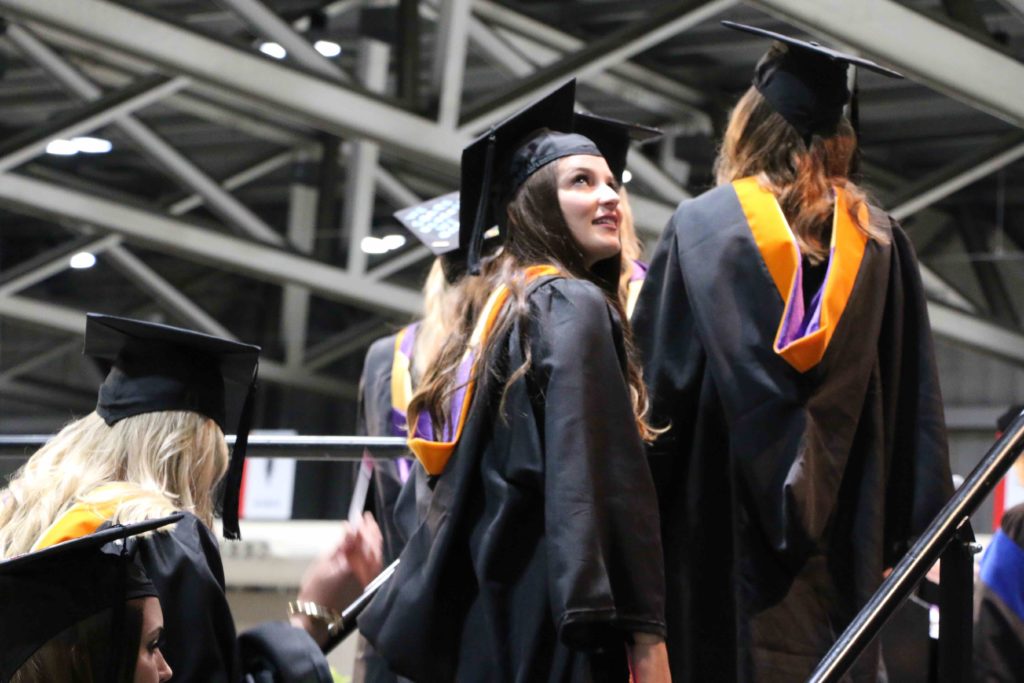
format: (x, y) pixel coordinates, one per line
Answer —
(157, 367)
(806, 84)
(434, 222)
(613, 138)
(46, 592)
(497, 163)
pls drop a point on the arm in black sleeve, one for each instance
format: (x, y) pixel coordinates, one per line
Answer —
(601, 519)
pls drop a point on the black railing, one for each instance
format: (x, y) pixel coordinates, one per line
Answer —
(947, 536)
(321, 448)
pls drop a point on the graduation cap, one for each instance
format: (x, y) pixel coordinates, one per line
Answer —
(156, 367)
(47, 592)
(497, 163)
(434, 222)
(806, 84)
(613, 138)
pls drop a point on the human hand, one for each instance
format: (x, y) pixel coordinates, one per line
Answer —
(648, 658)
(363, 546)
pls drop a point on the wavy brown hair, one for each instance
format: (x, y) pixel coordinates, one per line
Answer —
(759, 142)
(536, 234)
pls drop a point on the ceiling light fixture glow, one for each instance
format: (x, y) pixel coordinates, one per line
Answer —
(82, 260)
(62, 148)
(91, 145)
(273, 50)
(328, 48)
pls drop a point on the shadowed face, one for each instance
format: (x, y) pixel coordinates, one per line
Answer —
(151, 667)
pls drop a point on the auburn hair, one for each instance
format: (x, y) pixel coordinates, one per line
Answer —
(759, 142)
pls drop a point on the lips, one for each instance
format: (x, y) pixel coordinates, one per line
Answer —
(608, 221)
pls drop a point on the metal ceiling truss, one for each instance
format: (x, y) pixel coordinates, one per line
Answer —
(66, 320)
(320, 96)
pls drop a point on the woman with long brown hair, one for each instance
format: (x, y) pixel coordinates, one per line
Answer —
(786, 345)
(539, 558)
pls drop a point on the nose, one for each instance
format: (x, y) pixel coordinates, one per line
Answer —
(164, 668)
(608, 196)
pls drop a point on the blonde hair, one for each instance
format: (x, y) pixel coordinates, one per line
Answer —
(759, 142)
(171, 459)
(632, 247)
(441, 316)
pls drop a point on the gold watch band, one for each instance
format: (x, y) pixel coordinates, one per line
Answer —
(329, 617)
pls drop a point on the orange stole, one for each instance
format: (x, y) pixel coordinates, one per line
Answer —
(781, 255)
(80, 520)
(435, 454)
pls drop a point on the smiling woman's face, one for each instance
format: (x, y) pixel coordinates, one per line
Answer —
(588, 195)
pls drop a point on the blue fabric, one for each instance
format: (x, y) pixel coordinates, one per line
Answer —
(1002, 570)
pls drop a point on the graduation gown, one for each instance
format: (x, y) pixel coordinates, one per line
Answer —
(540, 550)
(999, 626)
(784, 493)
(200, 641)
(398, 506)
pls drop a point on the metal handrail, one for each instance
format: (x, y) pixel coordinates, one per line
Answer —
(318, 448)
(922, 555)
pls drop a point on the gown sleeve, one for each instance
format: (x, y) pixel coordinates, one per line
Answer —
(601, 519)
(919, 480)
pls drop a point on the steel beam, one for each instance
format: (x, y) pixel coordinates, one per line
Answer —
(975, 333)
(499, 15)
(399, 263)
(595, 57)
(168, 158)
(635, 92)
(946, 181)
(302, 212)
(312, 100)
(272, 27)
(450, 59)
(50, 396)
(357, 212)
(175, 236)
(164, 293)
(1000, 303)
(59, 318)
(38, 360)
(51, 262)
(926, 50)
(344, 343)
(235, 181)
(86, 119)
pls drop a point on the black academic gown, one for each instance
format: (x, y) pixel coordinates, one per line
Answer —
(540, 551)
(783, 495)
(394, 505)
(999, 626)
(200, 640)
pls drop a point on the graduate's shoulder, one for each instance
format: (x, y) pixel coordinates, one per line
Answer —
(558, 299)
(709, 212)
(381, 348)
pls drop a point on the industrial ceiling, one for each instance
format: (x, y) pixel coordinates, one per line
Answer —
(251, 178)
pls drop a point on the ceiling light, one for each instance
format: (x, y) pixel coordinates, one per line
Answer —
(91, 145)
(63, 148)
(373, 245)
(273, 50)
(328, 48)
(393, 241)
(626, 177)
(82, 260)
